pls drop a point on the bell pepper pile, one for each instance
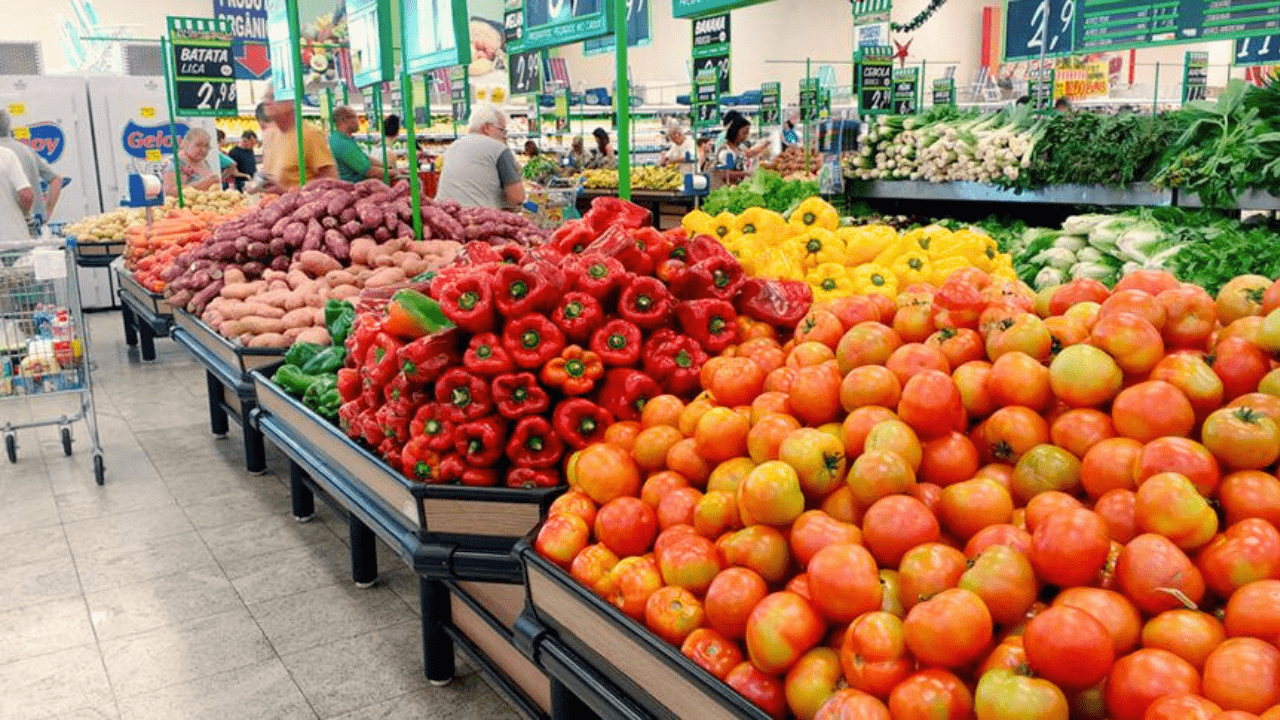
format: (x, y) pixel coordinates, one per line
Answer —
(548, 346)
(836, 261)
(310, 371)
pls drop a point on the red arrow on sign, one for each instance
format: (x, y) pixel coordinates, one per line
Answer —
(255, 60)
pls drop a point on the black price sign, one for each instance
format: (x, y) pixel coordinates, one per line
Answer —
(706, 100)
(810, 99)
(875, 80)
(459, 93)
(711, 45)
(526, 72)
(1195, 76)
(513, 25)
(718, 65)
(771, 104)
(204, 76)
(906, 86)
(944, 91)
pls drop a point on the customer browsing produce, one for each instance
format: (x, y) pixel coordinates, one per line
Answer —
(280, 163)
(479, 169)
(353, 164)
(190, 159)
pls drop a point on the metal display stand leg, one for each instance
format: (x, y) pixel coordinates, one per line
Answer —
(565, 705)
(148, 338)
(217, 415)
(437, 646)
(130, 334)
(304, 501)
(364, 553)
(255, 449)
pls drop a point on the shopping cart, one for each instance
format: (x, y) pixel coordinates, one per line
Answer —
(44, 341)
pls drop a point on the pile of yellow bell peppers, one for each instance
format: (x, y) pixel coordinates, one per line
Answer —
(811, 245)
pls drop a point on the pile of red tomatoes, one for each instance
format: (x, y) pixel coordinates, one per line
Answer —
(973, 502)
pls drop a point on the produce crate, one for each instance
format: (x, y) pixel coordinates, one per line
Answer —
(461, 519)
(231, 390)
(645, 668)
(99, 249)
(482, 616)
(146, 315)
(144, 298)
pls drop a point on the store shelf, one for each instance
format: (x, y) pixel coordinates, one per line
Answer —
(1141, 194)
(483, 630)
(146, 315)
(1249, 200)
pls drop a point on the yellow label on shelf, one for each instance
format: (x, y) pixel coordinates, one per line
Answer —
(153, 156)
(21, 133)
(16, 109)
(147, 112)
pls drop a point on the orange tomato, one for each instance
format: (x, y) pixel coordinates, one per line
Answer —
(605, 472)
(721, 434)
(662, 410)
(623, 434)
(652, 446)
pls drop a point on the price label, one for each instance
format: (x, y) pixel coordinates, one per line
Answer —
(22, 133)
(719, 65)
(204, 80)
(16, 109)
(875, 80)
(906, 83)
(147, 112)
(944, 91)
(154, 155)
(706, 99)
(526, 72)
(771, 104)
(711, 43)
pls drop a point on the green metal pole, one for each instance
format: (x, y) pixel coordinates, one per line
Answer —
(295, 43)
(377, 109)
(411, 141)
(173, 128)
(924, 65)
(328, 99)
(622, 97)
(808, 74)
(1155, 96)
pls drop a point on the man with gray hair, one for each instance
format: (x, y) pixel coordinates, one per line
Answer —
(479, 169)
(37, 171)
(353, 164)
(16, 198)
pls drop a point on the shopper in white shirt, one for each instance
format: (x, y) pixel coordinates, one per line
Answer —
(37, 171)
(682, 149)
(16, 198)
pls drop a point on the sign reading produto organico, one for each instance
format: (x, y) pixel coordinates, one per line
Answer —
(249, 35)
(436, 34)
(138, 140)
(698, 8)
(204, 78)
(550, 23)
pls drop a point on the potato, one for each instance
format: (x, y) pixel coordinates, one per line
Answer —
(303, 317)
(343, 292)
(315, 263)
(385, 277)
(316, 336)
(269, 340)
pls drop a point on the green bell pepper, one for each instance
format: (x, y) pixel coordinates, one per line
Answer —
(293, 379)
(327, 361)
(339, 316)
(300, 354)
(322, 396)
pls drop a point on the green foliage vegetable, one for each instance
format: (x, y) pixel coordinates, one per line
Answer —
(764, 189)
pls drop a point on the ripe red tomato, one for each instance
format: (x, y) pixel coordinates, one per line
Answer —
(591, 564)
(1077, 431)
(962, 300)
(1047, 503)
(1243, 674)
(1139, 302)
(1010, 432)
(858, 425)
(731, 597)
(870, 385)
(814, 530)
(738, 381)
(690, 562)
(1109, 465)
(760, 548)
(967, 507)
(958, 344)
(1023, 333)
(951, 629)
(1189, 634)
(626, 526)
(844, 581)
(1248, 551)
(931, 404)
(628, 585)
(854, 309)
(712, 651)
(561, 538)
(672, 613)
(677, 507)
(914, 358)
(1149, 281)
(782, 627)
(1113, 610)
(927, 570)
(1250, 493)
(1133, 341)
(820, 326)
(1117, 508)
(914, 323)
(867, 343)
(1254, 611)
(1014, 537)
(814, 678)
(1068, 647)
(931, 694)
(849, 704)
(1188, 371)
(815, 394)
(1191, 316)
(894, 525)
(971, 380)
(1002, 577)
(1151, 564)
(1077, 291)
(1019, 379)
(1182, 456)
(1151, 410)
(877, 474)
(948, 459)
(1182, 706)
(1242, 438)
(763, 690)
(1070, 547)
(1140, 678)
(873, 653)
(605, 472)
(1240, 365)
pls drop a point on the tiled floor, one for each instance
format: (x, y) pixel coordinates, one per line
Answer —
(183, 588)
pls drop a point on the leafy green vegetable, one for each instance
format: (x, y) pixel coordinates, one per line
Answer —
(764, 189)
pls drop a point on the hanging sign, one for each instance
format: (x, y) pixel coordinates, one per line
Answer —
(906, 87)
(369, 38)
(706, 99)
(699, 8)
(550, 23)
(459, 93)
(436, 33)
(638, 30)
(1195, 76)
(810, 99)
(944, 91)
(204, 77)
(874, 71)
(561, 112)
(525, 69)
(1040, 88)
(771, 104)
(280, 47)
(1257, 51)
(711, 43)
(249, 36)
(870, 23)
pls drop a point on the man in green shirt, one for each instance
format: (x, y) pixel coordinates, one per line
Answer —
(353, 164)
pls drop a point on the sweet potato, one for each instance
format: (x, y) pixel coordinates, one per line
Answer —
(315, 336)
(362, 250)
(337, 245)
(259, 233)
(202, 298)
(277, 284)
(268, 340)
(233, 276)
(350, 229)
(385, 277)
(342, 292)
(301, 318)
(278, 263)
(274, 298)
(291, 335)
(315, 263)
(242, 290)
(257, 325)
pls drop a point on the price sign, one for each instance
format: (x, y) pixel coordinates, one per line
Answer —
(810, 99)
(459, 93)
(1032, 26)
(17, 109)
(944, 91)
(436, 34)
(204, 76)
(525, 71)
(771, 104)
(22, 133)
(1040, 87)
(706, 99)
(513, 26)
(906, 88)
(549, 23)
(1195, 76)
(875, 80)
(561, 112)
(1257, 51)
(638, 30)
(369, 37)
(698, 8)
(711, 43)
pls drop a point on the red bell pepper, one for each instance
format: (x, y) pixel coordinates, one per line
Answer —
(575, 372)
(391, 451)
(513, 254)
(452, 467)
(349, 384)
(717, 277)
(481, 477)
(705, 247)
(625, 392)
(519, 394)
(521, 291)
(419, 462)
(361, 338)
(530, 478)
(348, 414)
(713, 323)
(369, 428)
(432, 422)
(645, 301)
(580, 422)
(468, 302)
(781, 303)
(606, 211)
(480, 443)
(676, 364)
(393, 418)
(401, 387)
(465, 396)
(638, 257)
(486, 357)
(381, 362)
(423, 360)
(618, 343)
(480, 253)
(531, 341)
(572, 238)
(599, 276)
(534, 443)
(578, 315)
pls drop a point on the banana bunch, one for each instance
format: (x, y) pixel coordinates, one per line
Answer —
(642, 178)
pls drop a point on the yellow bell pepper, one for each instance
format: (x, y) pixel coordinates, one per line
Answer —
(911, 268)
(815, 212)
(872, 278)
(746, 251)
(895, 250)
(722, 225)
(815, 247)
(698, 223)
(773, 263)
(830, 281)
(1004, 271)
(987, 255)
(759, 221)
(943, 268)
(864, 244)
